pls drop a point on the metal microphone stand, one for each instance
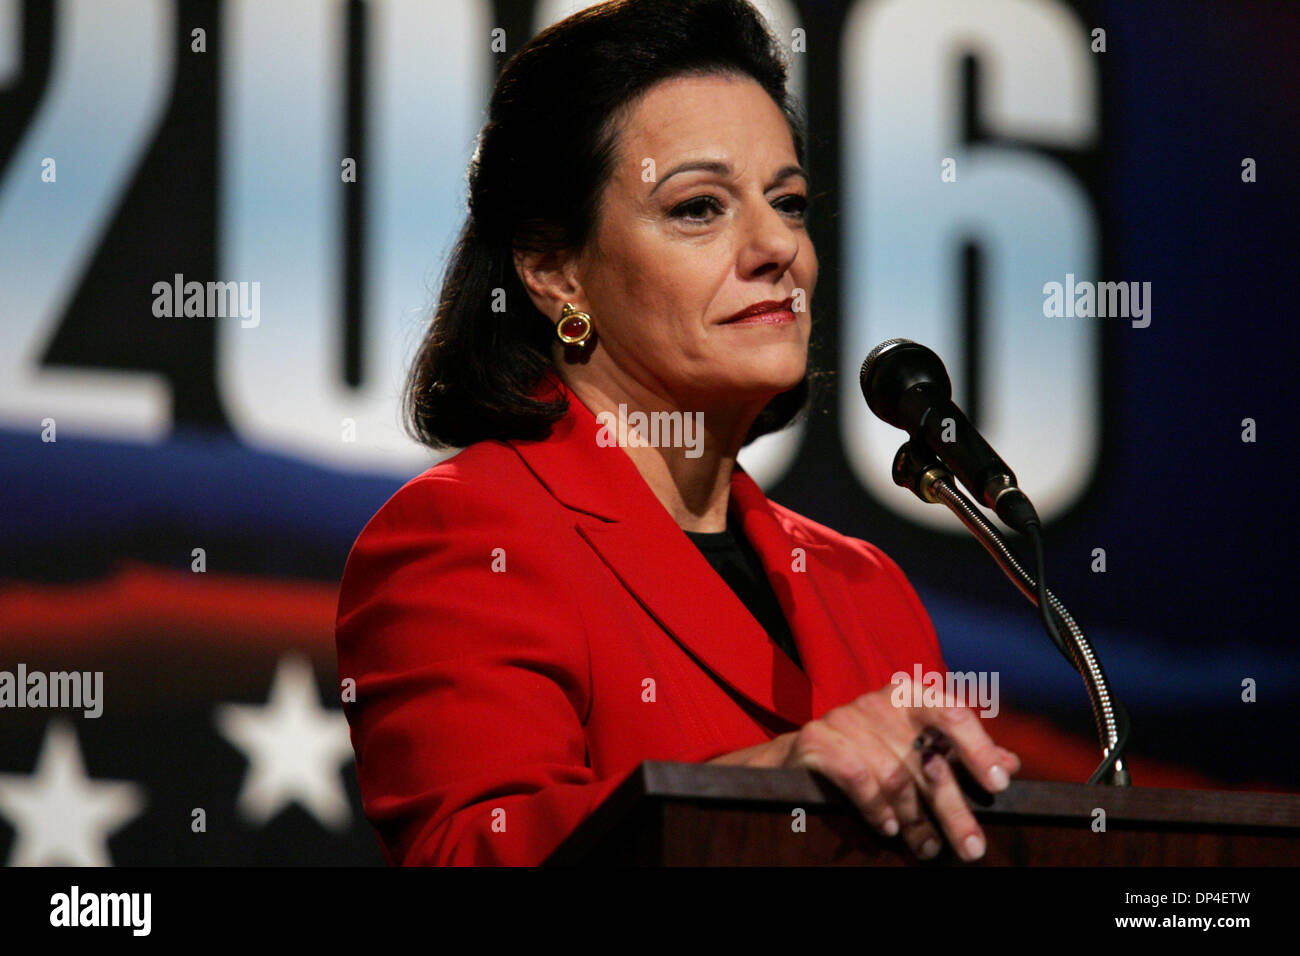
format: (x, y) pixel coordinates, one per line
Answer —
(930, 481)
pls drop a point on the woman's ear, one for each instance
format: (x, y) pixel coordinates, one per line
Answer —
(550, 280)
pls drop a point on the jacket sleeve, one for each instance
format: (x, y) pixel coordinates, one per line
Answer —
(472, 680)
(913, 638)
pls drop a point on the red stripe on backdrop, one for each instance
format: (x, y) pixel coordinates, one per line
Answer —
(1046, 753)
(272, 614)
(145, 599)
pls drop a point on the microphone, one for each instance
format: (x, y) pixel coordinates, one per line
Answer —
(906, 385)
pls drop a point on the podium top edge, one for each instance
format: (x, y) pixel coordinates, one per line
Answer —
(1032, 798)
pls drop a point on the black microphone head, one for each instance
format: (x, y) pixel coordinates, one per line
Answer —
(893, 367)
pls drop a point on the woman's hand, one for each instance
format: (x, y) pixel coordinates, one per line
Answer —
(867, 749)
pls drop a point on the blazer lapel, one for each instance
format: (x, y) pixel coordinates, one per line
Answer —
(636, 538)
(806, 596)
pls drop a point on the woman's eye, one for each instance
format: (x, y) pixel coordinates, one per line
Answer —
(696, 210)
(794, 204)
(700, 204)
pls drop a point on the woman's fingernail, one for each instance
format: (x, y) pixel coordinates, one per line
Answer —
(931, 768)
(998, 777)
(974, 847)
(930, 849)
(890, 827)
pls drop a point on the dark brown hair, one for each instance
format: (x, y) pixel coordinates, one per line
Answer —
(543, 160)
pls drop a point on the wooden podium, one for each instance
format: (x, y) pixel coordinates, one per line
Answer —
(688, 814)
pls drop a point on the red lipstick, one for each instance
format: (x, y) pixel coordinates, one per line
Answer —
(768, 312)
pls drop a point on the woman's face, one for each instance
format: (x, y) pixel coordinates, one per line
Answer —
(680, 250)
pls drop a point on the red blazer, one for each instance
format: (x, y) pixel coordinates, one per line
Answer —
(526, 623)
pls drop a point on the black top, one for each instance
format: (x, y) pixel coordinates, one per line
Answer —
(736, 561)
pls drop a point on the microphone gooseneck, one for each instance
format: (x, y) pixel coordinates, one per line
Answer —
(918, 470)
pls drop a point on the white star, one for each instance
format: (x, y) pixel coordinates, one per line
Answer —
(62, 817)
(294, 748)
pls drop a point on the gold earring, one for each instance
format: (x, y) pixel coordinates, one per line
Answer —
(574, 327)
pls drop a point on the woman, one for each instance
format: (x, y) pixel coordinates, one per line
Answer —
(530, 619)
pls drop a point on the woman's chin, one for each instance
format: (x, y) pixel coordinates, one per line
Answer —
(778, 375)
(753, 384)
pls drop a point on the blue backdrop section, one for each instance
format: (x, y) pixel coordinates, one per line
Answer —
(78, 506)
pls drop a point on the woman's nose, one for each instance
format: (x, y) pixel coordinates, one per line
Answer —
(769, 241)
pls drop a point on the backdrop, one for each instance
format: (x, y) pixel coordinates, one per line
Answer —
(184, 472)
